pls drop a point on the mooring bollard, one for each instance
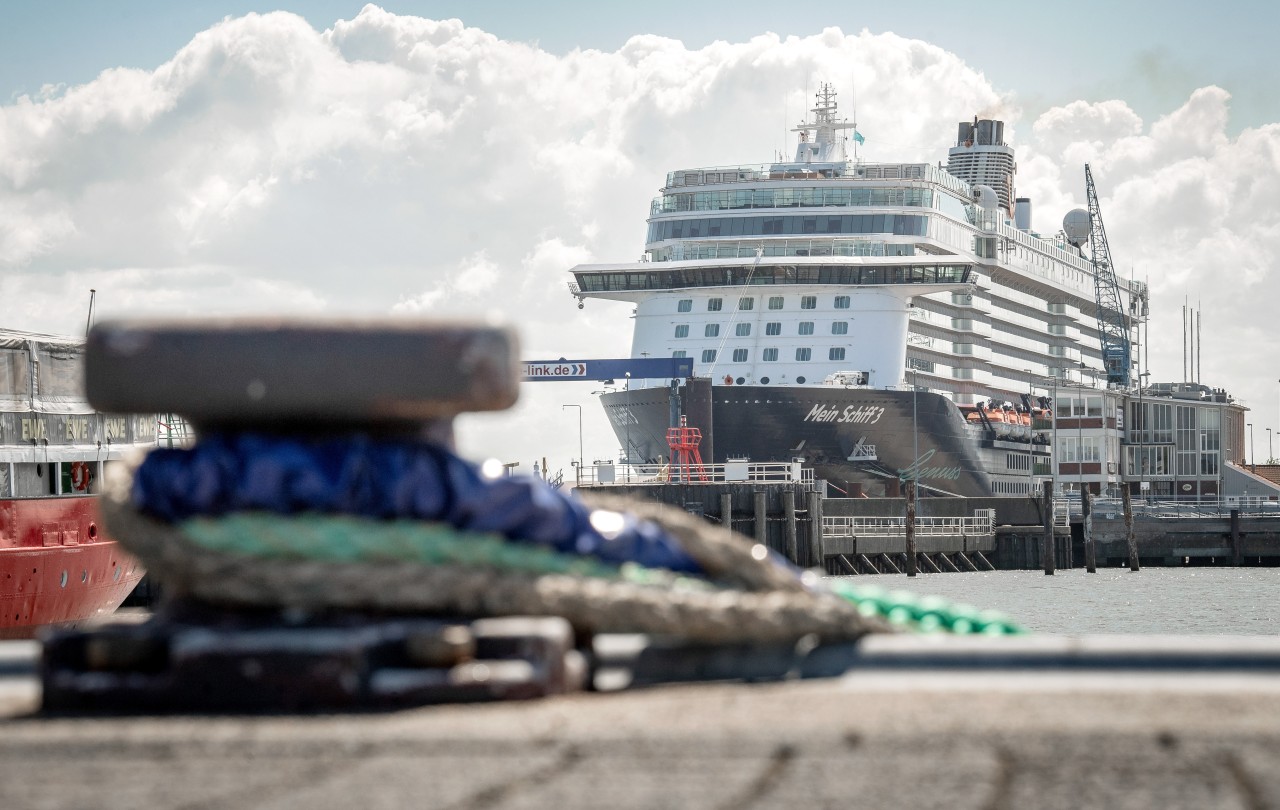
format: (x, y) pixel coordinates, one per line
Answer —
(1046, 544)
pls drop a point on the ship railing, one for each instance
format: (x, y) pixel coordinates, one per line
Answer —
(981, 524)
(604, 475)
(717, 175)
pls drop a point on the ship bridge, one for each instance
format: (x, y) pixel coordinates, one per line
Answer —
(637, 280)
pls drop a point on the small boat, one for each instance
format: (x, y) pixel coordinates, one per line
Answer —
(57, 565)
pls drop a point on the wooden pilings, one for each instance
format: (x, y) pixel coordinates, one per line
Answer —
(1090, 548)
(816, 554)
(1046, 543)
(911, 529)
(1237, 553)
(761, 527)
(1130, 540)
(789, 524)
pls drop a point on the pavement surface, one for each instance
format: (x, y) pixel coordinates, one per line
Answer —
(896, 736)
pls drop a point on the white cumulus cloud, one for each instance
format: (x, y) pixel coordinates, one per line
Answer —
(399, 164)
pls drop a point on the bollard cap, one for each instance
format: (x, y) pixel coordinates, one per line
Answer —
(263, 371)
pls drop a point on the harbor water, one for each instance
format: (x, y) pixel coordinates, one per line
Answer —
(1161, 601)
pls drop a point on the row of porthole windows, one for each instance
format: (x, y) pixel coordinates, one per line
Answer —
(748, 303)
(803, 355)
(772, 328)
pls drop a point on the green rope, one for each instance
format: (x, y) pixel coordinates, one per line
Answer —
(925, 614)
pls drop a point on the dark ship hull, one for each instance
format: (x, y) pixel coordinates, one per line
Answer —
(863, 441)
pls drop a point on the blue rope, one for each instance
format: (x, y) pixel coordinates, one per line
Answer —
(386, 479)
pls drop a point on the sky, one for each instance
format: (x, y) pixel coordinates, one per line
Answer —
(455, 159)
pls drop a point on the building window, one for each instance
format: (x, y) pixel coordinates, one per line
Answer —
(775, 302)
(842, 302)
(770, 355)
(739, 355)
(682, 331)
(746, 303)
(684, 305)
(708, 355)
(743, 329)
(803, 355)
(773, 328)
(836, 354)
(808, 302)
(806, 327)
(919, 364)
(712, 330)
(840, 328)
(714, 304)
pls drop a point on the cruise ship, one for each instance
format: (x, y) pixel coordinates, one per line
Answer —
(880, 322)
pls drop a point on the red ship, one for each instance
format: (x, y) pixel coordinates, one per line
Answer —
(57, 566)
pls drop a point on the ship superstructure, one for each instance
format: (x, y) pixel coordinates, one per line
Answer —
(826, 279)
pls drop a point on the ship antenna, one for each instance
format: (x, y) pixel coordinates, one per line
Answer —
(88, 322)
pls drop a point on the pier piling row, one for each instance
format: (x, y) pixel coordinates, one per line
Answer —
(867, 535)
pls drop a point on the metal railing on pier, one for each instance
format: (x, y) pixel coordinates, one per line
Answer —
(1113, 508)
(982, 523)
(603, 475)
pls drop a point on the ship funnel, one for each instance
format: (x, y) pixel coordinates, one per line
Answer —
(1022, 213)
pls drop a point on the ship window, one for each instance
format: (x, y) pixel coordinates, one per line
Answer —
(770, 355)
(764, 380)
(746, 303)
(712, 330)
(773, 328)
(836, 354)
(775, 302)
(743, 329)
(714, 304)
(808, 302)
(682, 331)
(708, 355)
(739, 355)
(804, 355)
(806, 327)
(842, 302)
(800, 380)
(684, 305)
(679, 353)
(840, 328)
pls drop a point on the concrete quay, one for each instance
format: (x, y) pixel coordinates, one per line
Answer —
(921, 722)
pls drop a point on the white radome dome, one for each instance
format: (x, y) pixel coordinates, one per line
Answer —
(1076, 226)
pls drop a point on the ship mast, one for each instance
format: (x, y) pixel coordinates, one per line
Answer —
(827, 144)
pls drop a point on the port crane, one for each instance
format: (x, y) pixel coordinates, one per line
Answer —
(1113, 322)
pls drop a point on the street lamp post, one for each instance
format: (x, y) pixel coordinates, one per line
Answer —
(579, 407)
(1253, 461)
(1270, 452)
